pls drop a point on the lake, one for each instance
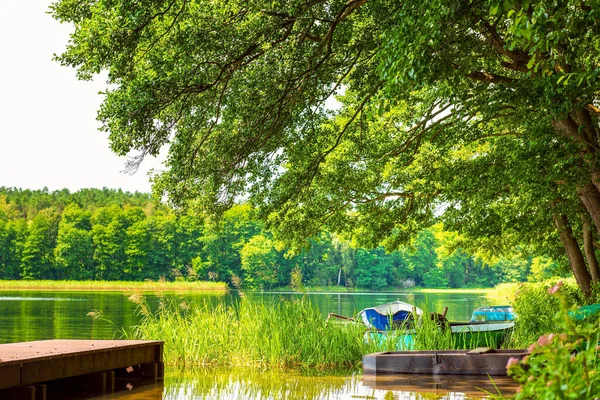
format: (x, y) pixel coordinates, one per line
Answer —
(35, 315)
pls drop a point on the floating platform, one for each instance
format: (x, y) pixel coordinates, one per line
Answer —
(29, 369)
(481, 361)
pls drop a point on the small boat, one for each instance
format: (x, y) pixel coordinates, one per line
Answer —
(385, 316)
(480, 333)
(394, 313)
(395, 321)
(493, 313)
(480, 361)
(488, 327)
(582, 313)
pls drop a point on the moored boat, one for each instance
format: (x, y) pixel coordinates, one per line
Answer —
(493, 313)
(383, 317)
(481, 333)
(488, 327)
(395, 321)
(480, 361)
(388, 316)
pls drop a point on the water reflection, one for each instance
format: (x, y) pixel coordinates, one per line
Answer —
(275, 385)
(444, 385)
(19, 298)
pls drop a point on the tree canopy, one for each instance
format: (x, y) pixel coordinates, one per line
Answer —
(77, 238)
(483, 114)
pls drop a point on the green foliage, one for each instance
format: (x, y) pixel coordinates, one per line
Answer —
(134, 240)
(535, 309)
(74, 248)
(564, 364)
(482, 115)
(372, 269)
(259, 262)
(38, 250)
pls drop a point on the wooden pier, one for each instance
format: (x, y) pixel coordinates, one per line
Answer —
(33, 370)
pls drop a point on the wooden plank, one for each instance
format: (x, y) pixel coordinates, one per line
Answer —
(10, 376)
(14, 353)
(29, 363)
(42, 370)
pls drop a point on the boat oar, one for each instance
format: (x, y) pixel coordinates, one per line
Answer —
(338, 317)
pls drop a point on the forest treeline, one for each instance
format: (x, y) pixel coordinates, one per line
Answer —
(104, 234)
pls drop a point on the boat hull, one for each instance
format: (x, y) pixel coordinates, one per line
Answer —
(478, 334)
(446, 362)
(465, 335)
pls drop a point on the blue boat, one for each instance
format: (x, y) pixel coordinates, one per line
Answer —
(580, 314)
(488, 326)
(387, 316)
(493, 314)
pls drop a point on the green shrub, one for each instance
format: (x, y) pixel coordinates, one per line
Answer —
(535, 309)
(561, 365)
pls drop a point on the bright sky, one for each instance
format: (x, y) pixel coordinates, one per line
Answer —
(48, 130)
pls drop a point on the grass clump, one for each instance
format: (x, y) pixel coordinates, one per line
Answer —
(276, 333)
(113, 285)
(535, 309)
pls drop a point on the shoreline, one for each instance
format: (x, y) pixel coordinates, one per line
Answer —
(201, 286)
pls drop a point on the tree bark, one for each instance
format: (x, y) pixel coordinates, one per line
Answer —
(574, 254)
(590, 251)
(590, 197)
(583, 118)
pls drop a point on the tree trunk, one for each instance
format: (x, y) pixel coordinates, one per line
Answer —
(588, 131)
(590, 251)
(574, 254)
(590, 197)
(596, 179)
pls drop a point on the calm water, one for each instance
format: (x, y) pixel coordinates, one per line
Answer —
(35, 315)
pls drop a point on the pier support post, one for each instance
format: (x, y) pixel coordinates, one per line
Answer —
(40, 392)
(96, 382)
(110, 381)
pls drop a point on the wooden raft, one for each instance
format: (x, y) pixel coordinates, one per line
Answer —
(28, 366)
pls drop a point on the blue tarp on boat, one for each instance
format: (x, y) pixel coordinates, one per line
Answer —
(495, 313)
(585, 312)
(382, 316)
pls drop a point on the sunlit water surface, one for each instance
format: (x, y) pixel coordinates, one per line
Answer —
(35, 315)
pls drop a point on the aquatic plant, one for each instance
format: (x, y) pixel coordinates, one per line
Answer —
(265, 333)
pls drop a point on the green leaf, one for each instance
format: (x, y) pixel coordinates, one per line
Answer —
(494, 9)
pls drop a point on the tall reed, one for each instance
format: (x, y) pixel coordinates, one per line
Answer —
(266, 333)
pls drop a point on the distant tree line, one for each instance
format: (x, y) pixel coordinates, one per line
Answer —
(113, 235)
